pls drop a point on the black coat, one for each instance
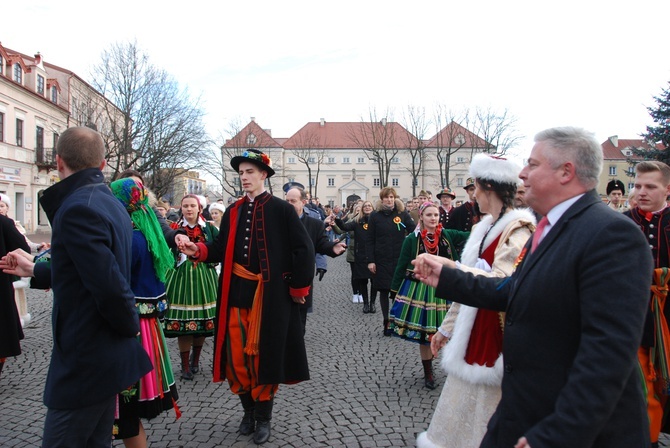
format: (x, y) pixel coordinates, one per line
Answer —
(574, 319)
(316, 230)
(96, 353)
(388, 230)
(361, 236)
(10, 324)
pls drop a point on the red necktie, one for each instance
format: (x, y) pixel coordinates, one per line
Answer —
(538, 233)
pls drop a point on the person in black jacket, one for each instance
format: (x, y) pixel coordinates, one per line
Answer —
(96, 354)
(389, 225)
(317, 233)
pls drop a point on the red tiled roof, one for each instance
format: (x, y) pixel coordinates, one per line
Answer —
(263, 139)
(611, 152)
(445, 138)
(350, 135)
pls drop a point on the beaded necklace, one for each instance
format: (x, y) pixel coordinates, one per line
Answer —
(431, 243)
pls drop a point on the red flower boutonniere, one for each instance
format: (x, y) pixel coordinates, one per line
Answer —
(520, 258)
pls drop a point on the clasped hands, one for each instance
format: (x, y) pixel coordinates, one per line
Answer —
(18, 262)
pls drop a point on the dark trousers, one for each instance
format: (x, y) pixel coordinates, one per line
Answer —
(89, 427)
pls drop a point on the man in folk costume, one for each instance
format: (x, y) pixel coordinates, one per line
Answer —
(268, 265)
(466, 215)
(652, 215)
(446, 196)
(616, 195)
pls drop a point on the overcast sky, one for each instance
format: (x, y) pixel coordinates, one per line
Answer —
(593, 64)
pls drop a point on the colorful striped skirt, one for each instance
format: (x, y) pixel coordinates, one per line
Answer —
(191, 290)
(416, 312)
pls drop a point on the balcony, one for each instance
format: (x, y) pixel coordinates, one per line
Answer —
(45, 158)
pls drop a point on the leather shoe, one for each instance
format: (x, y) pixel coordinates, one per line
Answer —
(262, 433)
(186, 375)
(429, 382)
(373, 309)
(366, 308)
(195, 368)
(247, 426)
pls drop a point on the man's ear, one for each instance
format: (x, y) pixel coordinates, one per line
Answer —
(567, 172)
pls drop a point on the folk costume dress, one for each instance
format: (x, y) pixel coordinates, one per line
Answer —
(191, 288)
(416, 312)
(156, 391)
(473, 356)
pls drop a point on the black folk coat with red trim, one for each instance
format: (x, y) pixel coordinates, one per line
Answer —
(287, 265)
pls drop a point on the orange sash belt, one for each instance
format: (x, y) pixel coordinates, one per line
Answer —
(251, 347)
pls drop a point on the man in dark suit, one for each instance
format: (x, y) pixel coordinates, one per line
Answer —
(316, 229)
(96, 353)
(574, 312)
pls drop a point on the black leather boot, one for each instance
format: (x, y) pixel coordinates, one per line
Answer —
(366, 305)
(428, 379)
(372, 306)
(247, 426)
(263, 415)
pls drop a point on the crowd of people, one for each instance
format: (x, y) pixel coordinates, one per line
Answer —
(545, 339)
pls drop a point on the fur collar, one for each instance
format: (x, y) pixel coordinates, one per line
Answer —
(471, 250)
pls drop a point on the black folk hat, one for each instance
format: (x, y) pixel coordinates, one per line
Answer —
(256, 157)
(615, 184)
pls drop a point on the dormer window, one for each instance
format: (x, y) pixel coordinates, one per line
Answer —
(40, 84)
(18, 73)
(2, 65)
(54, 94)
(251, 139)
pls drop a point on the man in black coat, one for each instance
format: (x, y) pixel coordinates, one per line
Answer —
(574, 315)
(317, 233)
(96, 354)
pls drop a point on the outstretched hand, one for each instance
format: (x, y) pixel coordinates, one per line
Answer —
(16, 263)
(427, 269)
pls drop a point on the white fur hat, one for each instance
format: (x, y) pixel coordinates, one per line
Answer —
(217, 206)
(485, 166)
(4, 198)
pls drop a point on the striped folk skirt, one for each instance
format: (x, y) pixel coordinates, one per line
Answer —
(416, 312)
(191, 290)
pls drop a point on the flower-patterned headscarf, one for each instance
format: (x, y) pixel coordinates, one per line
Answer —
(135, 199)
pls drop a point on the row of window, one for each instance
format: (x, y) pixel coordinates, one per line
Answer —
(347, 159)
(39, 133)
(18, 78)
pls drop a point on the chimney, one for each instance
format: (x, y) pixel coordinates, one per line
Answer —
(323, 122)
(253, 119)
(614, 140)
(38, 58)
(384, 121)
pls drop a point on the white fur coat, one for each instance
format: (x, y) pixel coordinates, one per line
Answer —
(515, 227)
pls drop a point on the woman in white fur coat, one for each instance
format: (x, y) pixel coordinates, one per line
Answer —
(473, 356)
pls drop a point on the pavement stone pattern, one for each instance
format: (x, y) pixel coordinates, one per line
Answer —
(366, 390)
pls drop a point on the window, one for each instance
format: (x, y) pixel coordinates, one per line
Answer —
(360, 160)
(2, 123)
(2, 65)
(40, 84)
(346, 160)
(460, 159)
(312, 182)
(311, 160)
(613, 171)
(631, 185)
(395, 182)
(54, 94)
(18, 73)
(375, 182)
(55, 142)
(251, 139)
(395, 160)
(331, 159)
(291, 160)
(331, 181)
(459, 182)
(39, 138)
(19, 132)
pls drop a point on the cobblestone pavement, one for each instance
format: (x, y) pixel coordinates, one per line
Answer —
(366, 390)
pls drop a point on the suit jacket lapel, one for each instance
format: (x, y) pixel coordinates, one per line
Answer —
(589, 199)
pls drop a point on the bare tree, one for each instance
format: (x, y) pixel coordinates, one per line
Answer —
(156, 128)
(449, 139)
(497, 129)
(415, 122)
(309, 150)
(380, 139)
(218, 161)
